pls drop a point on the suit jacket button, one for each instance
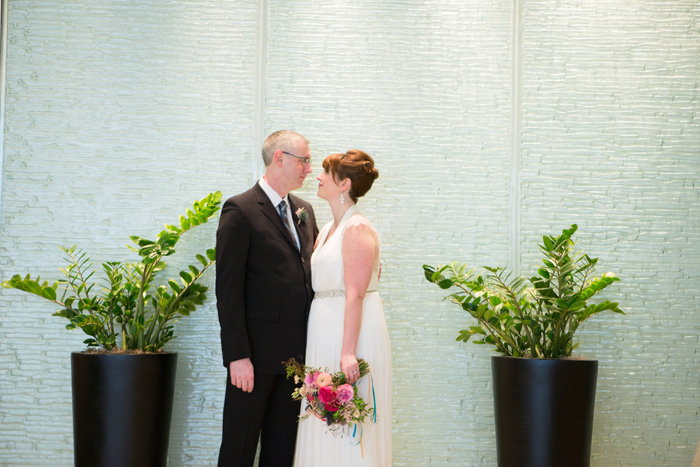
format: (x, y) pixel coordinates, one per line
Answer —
(302, 260)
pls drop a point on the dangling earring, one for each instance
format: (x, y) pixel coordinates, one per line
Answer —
(342, 199)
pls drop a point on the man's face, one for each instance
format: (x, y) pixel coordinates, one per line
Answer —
(296, 167)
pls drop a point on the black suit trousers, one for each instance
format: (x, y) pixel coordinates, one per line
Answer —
(267, 411)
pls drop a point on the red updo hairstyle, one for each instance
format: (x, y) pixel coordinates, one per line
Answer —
(356, 165)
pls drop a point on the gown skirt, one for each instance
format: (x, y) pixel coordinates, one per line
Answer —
(316, 445)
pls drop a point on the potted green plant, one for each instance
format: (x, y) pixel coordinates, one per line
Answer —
(123, 383)
(543, 397)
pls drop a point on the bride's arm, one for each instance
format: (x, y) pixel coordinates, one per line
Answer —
(360, 248)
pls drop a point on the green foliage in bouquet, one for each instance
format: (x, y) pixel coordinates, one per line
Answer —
(535, 317)
(129, 304)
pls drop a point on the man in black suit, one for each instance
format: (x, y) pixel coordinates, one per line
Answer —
(263, 290)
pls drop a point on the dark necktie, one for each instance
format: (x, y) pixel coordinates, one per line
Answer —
(282, 209)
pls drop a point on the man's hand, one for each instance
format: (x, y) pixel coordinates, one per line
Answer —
(242, 375)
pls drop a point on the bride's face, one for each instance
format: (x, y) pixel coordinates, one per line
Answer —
(328, 188)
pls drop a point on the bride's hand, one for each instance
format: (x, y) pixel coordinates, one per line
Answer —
(350, 367)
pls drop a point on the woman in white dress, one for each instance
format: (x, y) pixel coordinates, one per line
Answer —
(346, 321)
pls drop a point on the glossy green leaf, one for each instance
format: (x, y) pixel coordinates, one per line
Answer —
(185, 277)
(49, 293)
(548, 244)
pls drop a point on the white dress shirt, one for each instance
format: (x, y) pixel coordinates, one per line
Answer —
(276, 199)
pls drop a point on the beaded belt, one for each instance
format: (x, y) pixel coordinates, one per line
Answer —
(333, 293)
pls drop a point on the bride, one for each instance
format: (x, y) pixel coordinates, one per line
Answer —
(346, 321)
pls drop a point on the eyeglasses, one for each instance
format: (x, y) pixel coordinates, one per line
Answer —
(304, 160)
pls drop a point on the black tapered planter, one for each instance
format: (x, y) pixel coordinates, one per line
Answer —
(122, 407)
(544, 411)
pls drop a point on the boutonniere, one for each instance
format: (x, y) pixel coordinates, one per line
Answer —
(302, 215)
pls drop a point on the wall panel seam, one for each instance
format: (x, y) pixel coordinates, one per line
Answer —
(260, 89)
(516, 144)
(3, 73)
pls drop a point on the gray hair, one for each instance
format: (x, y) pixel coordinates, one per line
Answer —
(284, 140)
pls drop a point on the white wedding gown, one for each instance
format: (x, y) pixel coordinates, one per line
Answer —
(316, 446)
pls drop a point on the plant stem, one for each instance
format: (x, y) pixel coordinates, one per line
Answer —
(519, 312)
(140, 303)
(491, 328)
(168, 313)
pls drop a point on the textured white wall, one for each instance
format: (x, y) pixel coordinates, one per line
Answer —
(119, 114)
(611, 141)
(424, 88)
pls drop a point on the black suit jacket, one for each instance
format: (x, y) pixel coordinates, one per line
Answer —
(263, 283)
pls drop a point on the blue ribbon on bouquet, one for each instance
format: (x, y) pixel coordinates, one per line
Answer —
(374, 397)
(374, 403)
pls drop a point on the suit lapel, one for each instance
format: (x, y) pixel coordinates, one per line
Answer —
(273, 216)
(297, 224)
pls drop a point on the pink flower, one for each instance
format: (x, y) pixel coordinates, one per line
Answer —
(331, 408)
(323, 379)
(327, 395)
(345, 393)
(309, 378)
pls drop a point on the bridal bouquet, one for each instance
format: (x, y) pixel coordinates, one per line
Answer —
(328, 396)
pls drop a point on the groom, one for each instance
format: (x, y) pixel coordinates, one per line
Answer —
(263, 291)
